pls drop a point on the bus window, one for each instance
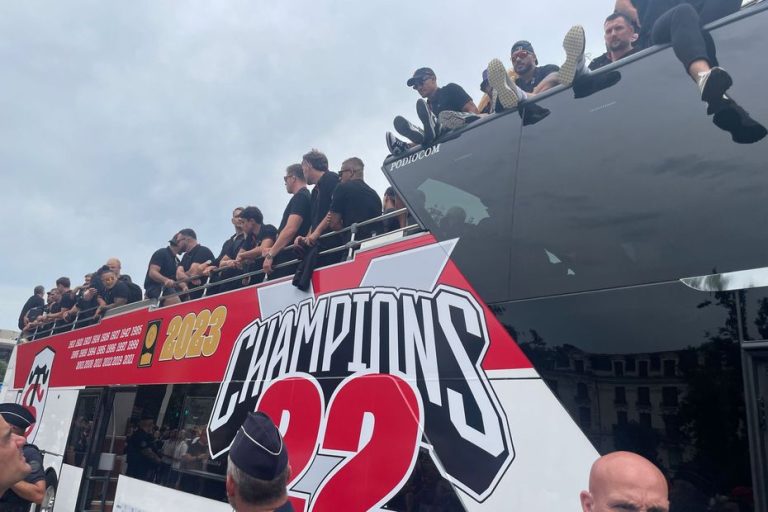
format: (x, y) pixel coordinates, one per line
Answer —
(81, 431)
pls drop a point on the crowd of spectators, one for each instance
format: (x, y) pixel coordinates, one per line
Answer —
(179, 271)
(633, 26)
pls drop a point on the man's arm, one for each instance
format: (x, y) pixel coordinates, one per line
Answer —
(470, 107)
(156, 276)
(30, 492)
(626, 7)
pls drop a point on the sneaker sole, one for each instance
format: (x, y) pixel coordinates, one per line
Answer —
(497, 78)
(426, 119)
(406, 129)
(573, 44)
(454, 120)
(718, 83)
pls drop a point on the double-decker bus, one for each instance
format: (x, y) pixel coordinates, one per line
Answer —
(591, 276)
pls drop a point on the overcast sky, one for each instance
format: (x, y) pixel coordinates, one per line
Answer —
(123, 122)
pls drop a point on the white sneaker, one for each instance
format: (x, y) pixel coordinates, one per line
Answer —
(451, 120)
(575, 63)
(499, 80)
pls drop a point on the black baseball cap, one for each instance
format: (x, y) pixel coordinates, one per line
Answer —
(17, 415)
(522, 45)
(419, 75)
(258, 448)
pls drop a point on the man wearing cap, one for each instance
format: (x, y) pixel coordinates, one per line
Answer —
(534, 79)
(258, 469)
(13, 467)
(31, 489)
(449, 105)
(161, 272)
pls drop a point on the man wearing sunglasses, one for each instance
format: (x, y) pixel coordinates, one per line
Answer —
(449, 105)
(161, 273)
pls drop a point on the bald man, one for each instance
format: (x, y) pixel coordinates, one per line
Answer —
(625, 482)
(135, 293)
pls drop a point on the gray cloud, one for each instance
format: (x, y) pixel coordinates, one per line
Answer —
(124, 122)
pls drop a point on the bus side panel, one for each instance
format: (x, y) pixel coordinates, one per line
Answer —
(56, 422)
(134, 494)
(69, 487)
(7, 393)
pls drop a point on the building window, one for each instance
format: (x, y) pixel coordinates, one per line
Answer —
(644, 396)
(585, 417)
(618, 368)
(669, 396)
(643, 369)
(582, 392)
(620, 396)
(621, 418)
(645, 419)
(670, 367)
(579, 365)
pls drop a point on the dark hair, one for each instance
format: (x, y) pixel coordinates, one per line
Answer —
(617, 15)
(39, 289)
(390, 192)
(252, 213)
(63, 281)
(189, 232)
(317, 160)
(295, 171)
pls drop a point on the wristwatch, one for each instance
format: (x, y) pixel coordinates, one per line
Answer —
(268, 256)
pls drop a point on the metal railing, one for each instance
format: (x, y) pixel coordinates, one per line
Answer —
(87, 317)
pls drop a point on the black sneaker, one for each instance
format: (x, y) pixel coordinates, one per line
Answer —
(737, 121)
(407, 129)
(428, 120)
(713, 84)
(395, 145)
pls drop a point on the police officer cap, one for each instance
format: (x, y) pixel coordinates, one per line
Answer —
(17, 415)
(258, 448)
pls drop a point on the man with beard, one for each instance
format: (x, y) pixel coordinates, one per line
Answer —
(620, 36)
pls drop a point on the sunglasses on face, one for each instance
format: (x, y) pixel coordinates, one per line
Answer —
(520, 54)
(420, 81)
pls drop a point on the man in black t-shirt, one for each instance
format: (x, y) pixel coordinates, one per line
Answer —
(115, 292)
(296, 221)
(140, 452)
(353, 201)
(315, 167)
(225, 264)
(449, 106)
(86, 303)
(196, 261)
(533, 79)
(161, 273)
(116, 267)
(259, 237)
(35, 301)
(620, 36)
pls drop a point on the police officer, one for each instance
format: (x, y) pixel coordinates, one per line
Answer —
(258, 469)
(32, 489)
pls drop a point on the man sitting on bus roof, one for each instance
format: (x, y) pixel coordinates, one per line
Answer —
(32, 488)
(226, 262)
(532, 78)
(449, 106)
(620, 37)
(258, 468)
(296, 221)
(161, 273)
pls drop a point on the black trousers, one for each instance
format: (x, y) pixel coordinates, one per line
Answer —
(679, 22)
